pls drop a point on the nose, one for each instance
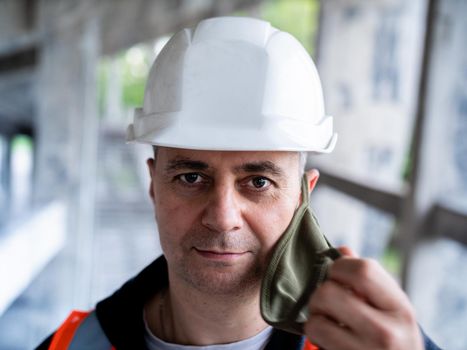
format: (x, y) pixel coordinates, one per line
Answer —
(222, 212)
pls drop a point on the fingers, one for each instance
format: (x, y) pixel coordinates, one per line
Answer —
(346, 251)
(368, 280)
(360, 306)
(325, 333)
(381, 333)
(342, 306)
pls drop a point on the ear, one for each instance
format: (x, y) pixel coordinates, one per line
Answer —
(312, 177)
(151, 168)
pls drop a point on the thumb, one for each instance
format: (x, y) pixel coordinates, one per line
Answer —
(346, 251)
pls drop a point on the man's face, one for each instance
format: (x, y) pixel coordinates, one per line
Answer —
(220, 214)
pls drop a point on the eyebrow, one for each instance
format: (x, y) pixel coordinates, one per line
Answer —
(251, 167)
(183, 163)
(260, 167)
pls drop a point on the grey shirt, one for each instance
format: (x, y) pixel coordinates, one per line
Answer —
(257, 342)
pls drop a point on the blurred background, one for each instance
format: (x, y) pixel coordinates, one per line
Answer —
(75, 219)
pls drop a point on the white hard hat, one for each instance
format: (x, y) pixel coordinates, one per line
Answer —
(234, 83)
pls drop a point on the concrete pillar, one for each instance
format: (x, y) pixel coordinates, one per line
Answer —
(66, 129)
(369, 59)
(437, 268)
(5, 174)
(374, 98)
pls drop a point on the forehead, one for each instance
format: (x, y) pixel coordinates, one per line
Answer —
(232, 160)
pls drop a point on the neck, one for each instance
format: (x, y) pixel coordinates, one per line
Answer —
(190, 317)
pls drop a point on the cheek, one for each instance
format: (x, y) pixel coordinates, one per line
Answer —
(173, 219)
(270, 223)
(176, 219)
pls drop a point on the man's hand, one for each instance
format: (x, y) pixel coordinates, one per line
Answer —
(360, 306)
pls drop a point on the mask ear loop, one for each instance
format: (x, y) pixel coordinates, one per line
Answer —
(305, 191)
(332, 252)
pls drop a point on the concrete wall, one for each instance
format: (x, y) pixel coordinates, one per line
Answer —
(400, 107)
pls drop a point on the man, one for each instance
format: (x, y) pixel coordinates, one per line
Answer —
(231, 108)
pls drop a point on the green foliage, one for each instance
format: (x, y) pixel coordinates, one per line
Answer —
(21, 143)
(133, 65)
(392, 261)
(298, 17)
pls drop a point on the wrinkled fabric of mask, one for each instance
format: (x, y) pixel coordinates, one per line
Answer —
(299, 263)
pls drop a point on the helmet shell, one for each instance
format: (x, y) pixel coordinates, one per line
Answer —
(234, 83)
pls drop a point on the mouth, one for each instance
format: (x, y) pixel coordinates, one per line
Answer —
(219, 255)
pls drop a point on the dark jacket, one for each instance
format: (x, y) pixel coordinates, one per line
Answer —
(121, 314)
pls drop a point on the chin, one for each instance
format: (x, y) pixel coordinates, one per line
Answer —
(227, 282)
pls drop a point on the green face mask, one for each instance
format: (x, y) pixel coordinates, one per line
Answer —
(299, 263)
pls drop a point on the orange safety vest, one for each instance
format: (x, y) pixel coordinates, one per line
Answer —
(64, 335)
(309, 346)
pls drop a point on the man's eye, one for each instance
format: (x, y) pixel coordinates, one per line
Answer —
(190, 178)
(260, 182)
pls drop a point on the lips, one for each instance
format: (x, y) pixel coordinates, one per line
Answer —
(218, 254)
(216, 251)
